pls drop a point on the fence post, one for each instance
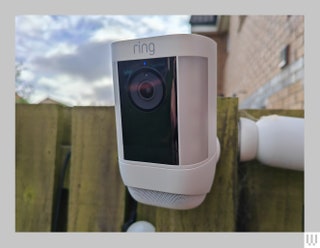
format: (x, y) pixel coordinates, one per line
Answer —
(37, 136)
(96, 193)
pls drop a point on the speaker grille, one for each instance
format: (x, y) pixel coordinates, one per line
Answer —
(166, 200)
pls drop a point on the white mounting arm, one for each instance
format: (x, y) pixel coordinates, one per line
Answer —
(273, 140)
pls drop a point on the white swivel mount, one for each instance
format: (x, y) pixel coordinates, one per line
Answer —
(273, 140)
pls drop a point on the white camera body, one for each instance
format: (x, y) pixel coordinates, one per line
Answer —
(165, 104)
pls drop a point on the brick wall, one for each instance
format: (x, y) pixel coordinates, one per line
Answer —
(252, 72)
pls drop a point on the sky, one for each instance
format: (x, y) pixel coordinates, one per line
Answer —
(67, 58)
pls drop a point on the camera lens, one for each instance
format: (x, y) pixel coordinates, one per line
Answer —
(146, 89)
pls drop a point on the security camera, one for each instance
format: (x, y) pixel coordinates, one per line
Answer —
(165, 105)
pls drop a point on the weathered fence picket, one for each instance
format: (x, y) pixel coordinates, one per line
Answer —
(37, 167)
(96, 192)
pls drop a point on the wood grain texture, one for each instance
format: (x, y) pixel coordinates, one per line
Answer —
(37, 137)
(96, 193)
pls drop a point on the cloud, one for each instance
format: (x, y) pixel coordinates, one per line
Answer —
(38, 35)
(61, 49)
(72, 91)
(26, 76)
(104, 95)
(89, 62)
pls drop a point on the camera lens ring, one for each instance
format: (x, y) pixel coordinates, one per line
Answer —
(146, 88)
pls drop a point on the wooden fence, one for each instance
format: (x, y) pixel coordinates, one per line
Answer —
(67, 178)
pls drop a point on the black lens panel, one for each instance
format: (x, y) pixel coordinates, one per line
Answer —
(148, 103)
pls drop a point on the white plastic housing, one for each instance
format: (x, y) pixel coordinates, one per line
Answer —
(185, 185)
(281, 141)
